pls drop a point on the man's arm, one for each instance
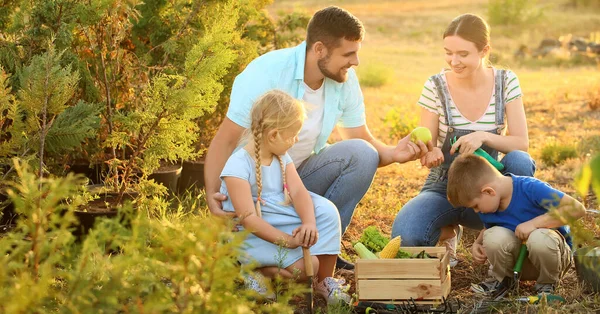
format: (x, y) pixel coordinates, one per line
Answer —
(405, 151)
(221, 147)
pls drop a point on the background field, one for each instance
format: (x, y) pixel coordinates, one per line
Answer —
(561, 97)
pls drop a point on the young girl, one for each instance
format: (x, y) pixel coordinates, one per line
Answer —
(266, 193)
(472, 102)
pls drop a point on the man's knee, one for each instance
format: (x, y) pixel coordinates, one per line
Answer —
(363, 154)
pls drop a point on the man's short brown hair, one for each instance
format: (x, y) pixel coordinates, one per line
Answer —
(466, 176)
(330, 25)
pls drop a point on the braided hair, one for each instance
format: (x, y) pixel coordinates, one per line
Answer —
(275, 110)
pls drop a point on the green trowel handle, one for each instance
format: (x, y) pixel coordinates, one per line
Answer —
(482, 153)
(521, 259)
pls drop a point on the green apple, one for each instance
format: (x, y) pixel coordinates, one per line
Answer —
(420, 134)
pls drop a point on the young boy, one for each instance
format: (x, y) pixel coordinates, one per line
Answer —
(515, 209)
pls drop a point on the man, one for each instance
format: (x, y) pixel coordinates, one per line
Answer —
(319, 72)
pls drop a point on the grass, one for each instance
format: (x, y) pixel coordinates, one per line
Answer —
(561, 103)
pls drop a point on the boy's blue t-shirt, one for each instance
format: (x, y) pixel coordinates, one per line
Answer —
(530, 198)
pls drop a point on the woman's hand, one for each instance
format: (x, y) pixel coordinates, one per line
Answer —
(433, 158)
(407, 150)
(469, 143)
(307, 234)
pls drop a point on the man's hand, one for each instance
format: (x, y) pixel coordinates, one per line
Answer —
(307, 234)
(433, 158)
(215, 205)
(478, 252)
(523, 230)
(407, 150)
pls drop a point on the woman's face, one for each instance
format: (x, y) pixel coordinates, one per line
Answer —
(463, 56)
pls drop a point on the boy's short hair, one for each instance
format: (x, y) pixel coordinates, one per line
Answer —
(330, 25)
(466, 176)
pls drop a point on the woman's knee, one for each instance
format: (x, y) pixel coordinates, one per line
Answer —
(519, 163)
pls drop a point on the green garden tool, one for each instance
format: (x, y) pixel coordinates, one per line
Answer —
(482, 153)
(536, 299)
(509, 283)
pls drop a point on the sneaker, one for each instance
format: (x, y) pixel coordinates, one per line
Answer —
(485, 287)
(258, 283)
(341, 263)
(547, 288)
(333, 290)
(451, 245)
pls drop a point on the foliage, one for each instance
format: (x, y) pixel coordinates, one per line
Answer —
(401, 122)
(374, 75)
(40, 118)
(504, 12)
(554, 154)
(137, 269)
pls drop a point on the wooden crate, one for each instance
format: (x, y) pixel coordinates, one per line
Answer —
(397, 280)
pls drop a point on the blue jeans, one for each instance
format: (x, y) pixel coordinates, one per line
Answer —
(342, 173)
(419, 222)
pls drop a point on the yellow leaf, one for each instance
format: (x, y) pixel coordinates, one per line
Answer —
(583, 180)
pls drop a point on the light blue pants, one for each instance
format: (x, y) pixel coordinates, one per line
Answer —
(419, 222)
(342, 173)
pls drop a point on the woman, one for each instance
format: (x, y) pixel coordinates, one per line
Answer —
(476, 104)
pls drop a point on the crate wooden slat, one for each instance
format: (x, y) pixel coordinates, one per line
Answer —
(395, 280)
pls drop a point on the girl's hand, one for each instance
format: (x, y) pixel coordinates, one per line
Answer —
(469, 143)
(307, 234)
(433, 158)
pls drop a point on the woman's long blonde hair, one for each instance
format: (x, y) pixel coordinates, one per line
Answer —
(275, 110)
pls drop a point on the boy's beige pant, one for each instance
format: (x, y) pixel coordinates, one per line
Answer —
(549, 255)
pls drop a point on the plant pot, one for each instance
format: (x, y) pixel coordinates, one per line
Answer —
(93, 172)
(192, 176)
(105, 206)
(587, 266)
(167, 175)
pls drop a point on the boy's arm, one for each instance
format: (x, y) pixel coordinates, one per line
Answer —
(568, 209)
(241, 197)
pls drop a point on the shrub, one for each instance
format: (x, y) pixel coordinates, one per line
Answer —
(555, 154)
(504, 12)
(374, 75)
(177, 265)
(401, 122)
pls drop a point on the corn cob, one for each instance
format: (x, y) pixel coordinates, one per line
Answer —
(391, 249)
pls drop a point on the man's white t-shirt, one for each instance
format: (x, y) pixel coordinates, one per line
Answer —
(314, 102)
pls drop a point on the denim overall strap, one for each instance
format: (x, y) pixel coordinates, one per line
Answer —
(499, 99)
(444, 96)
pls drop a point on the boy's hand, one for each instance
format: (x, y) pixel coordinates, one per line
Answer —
(523, 230)
(478, 252)
(433, 158)
(307, 234)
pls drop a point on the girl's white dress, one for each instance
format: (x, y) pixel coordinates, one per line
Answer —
(285, 218)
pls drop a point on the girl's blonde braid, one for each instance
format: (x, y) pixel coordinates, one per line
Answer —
(257, 134)
(286, 192)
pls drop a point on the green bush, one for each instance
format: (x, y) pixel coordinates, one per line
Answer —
(401, 122)
(505, 12)
(555, 154)
(374, 75)
(162, 265)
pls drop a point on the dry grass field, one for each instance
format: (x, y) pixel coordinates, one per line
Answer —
(561, 97)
